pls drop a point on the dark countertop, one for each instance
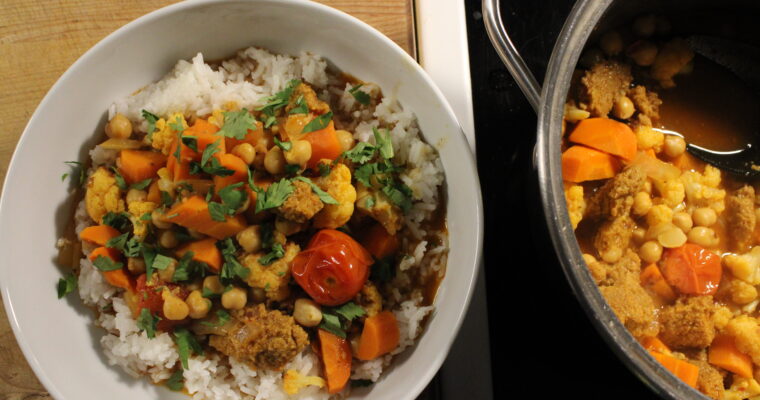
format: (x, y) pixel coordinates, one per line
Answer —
(542, 343)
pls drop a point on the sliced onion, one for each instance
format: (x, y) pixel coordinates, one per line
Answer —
(656, 169)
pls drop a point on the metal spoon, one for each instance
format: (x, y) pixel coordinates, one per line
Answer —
(744, 61)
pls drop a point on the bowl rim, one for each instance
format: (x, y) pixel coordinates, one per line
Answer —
(459, 139)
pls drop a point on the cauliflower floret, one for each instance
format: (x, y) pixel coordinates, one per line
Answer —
(338, 185)
(648, 138)
(672, 192)
(273, 278)
(745, 266)
(164, 136)
(576, 205)
(742, 388)
(302, 204)
(721, 316)
(702, 191)
(659, 215)
(102, 195)
(376, 204)
(746, 332)
(137, 209)
(742, 292)
(293, 382)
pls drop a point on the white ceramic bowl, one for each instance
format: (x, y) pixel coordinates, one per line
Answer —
(58, 336)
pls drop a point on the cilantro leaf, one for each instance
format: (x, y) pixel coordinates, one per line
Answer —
(188, 269)
(331, 323)
(285, 146)
(120, 182)
(75, 166)
(106, 264)
(369, 202)
(324, 169)
(361, 153)
(383, 270)
(318, 123)
(218, 211)
(349, 311)
(186, 345)
(278, 100)
(222, 317)
(231, 268)
(66, 285)
(191, 142)
(209, 151)
(400, 195)
(301, 107)
(142, 184)
(237, 124)
(147, 322)
(384, 144)
(119, 242)
(333, 317)
(176, 382)
(162, 262)
(360, 96)
(232, 197)
(132, 248)
(324, 196)
(177, 125)
(274, 196)
(149, 254)
(152, 119)
(276, 253)
(166, 198)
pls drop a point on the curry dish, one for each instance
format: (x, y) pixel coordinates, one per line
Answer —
(672, 243)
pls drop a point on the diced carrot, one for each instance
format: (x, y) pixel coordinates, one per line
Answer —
(684, 370)
(723, 353)
(650, 153)
(233, 162)
(138, 165)
(98, 234)
(205, 251)
(204, 133)
(580, 163)
(118, 277)
(252, 137)
(606, 135)
(379, 336)
(652, 278)
(379, 242)
(192, 213)
(202, 126)
(154, 193)
(324, 145)
(105, 252)
(336, 359)
(692, 269)
(652, 343)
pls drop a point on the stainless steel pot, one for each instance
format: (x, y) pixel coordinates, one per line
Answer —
(548, 102)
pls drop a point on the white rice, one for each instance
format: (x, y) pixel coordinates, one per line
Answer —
(195, 88)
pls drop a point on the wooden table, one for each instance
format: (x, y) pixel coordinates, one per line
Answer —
(40, 39)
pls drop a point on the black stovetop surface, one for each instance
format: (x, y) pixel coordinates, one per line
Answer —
(542, 343)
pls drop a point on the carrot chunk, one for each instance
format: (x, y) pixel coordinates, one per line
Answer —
(235, 164)
(118, 277)
(252, 137)
(138, 165)
(652, 343)
(193, 213)
(204, 134)
(336, 359)
(606, 135)
(379, 336)
(580, 163)
(652, 278)
(724, 354)
(379, 242)
(684, 370)
(98, 234)
(205, 251)
(324, 145)
(692, 269)
(154, 193)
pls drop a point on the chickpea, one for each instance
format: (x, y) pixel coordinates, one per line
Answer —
(250, 239)
(639, 234)
(157, 217)
(174, 308)
(588, 258)
(702, 236)
(119, 127)
(166, 185)
(643, 53)
(198, 305)
(612, 255)
(213, 285)
(650, 251)
(672, 237)
(647, 186)
(704, 216)
(642, 203)
(645, 26)
(674, 145)
(611, 43)
(307, 313)
(591, 57)
(683, 221)
(299, 154)
(167, 239)
(136, 265)
(623, 108)
(246, 152)
(134, 195)
(742, 292)
(346, 139)
(234, 299)
(167, 273)
(258, 295)
(274, 161)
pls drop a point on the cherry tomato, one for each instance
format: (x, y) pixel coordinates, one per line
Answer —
(692, 269)
(333, 268)
(149, 296)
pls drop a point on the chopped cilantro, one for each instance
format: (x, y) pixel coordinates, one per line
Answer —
(400, 195)
(382, 270)
(278, 100)
(237, 124)
(142, 184)
(132, 248)
(349, 311)
(360, 96)
(146, 217)
(292, 169)
(207, 293)
(218, 211)
(187, 268)
(285, 146)
(176, 382)
(361, 382)
(383, 143)
(162, 262)
(361, 153)
(336, 319)
(151, 119)
(120, 182)
(209, 151)
(191, 142)
(119, 242)
(370, 202)
(231, 268)
(324, 169)
(106, 264)
(274, 196)
(301, 107)
(166, 198)
(147, 322)
(66, 285)
(324, 196)
(186, 345)
(149, 254)
(318, 123)
(75, 166)
(331, 323)
(222, 317)
(232, 197)
(276, 253)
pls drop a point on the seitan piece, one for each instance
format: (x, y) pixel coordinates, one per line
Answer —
(615, 198)
(309, 96)
(647, 103)
(672, 57)
(710, 380)
(688, 323)
(613, 238)
(740, 210)
(603, 84)
(302, 204)
(262, 339)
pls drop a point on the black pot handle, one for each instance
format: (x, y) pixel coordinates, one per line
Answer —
(509, 54)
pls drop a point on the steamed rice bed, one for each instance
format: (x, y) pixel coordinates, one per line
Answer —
(196, 89)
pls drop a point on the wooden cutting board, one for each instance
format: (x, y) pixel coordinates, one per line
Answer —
(40, 39)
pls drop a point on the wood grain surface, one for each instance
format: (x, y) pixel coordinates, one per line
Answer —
(40, 39)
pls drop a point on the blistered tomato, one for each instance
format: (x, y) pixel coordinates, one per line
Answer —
(333, 268)
(149, 296)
